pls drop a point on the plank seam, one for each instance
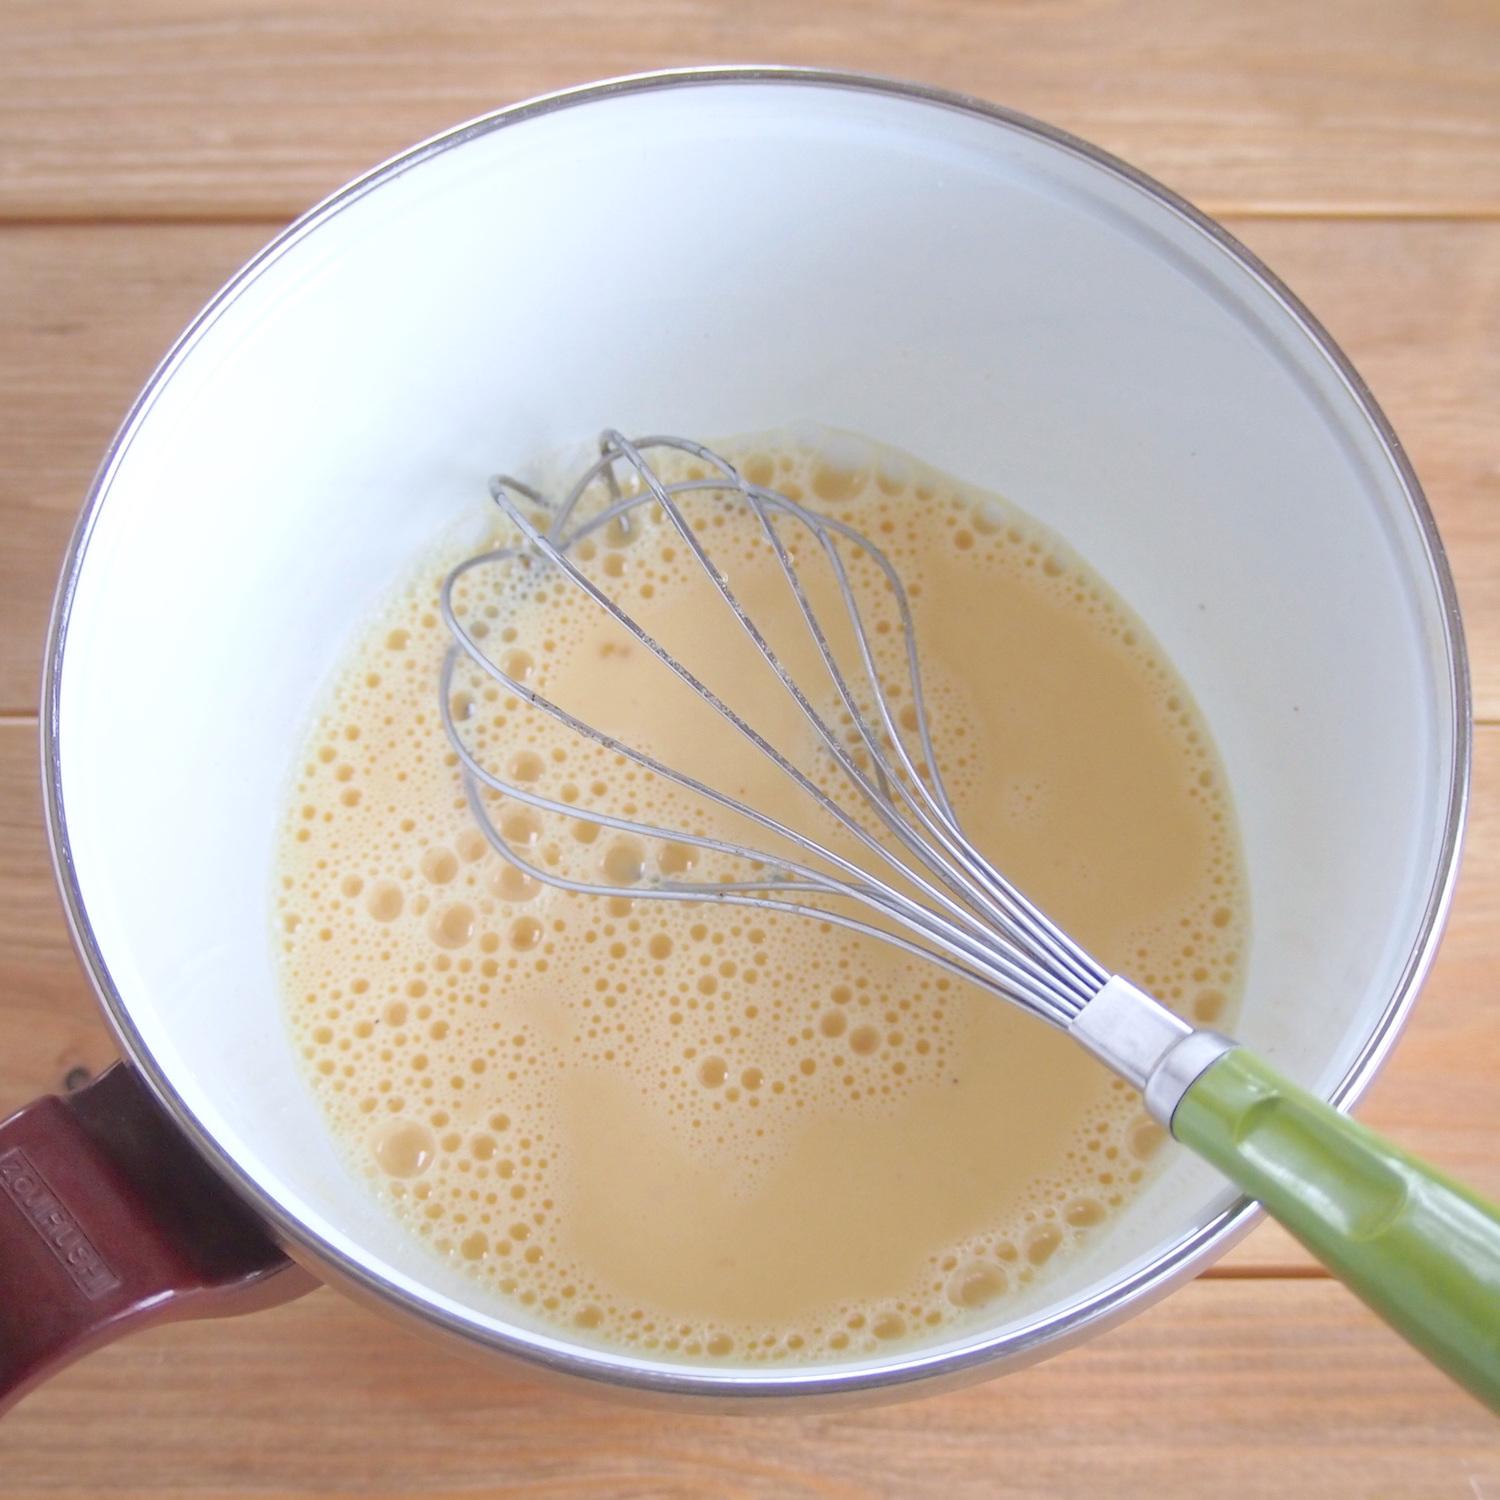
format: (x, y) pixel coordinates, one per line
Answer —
(1240, 212)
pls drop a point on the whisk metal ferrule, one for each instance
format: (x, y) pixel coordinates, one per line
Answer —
(1149, 1047)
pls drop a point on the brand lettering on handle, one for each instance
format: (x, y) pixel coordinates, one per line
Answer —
(45, 1212)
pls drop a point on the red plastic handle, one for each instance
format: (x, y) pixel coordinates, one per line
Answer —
(110, 1221)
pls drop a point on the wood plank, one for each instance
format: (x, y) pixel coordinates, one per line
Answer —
(49, 1020)
(253, 107)
(1261, 1384)
(1437, 1096)
(1417, 308)
(85, 312)
(1256, 1390)
(84, 317)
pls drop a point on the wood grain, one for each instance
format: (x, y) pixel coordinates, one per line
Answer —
(146, 150)
(86, 311)
(256, 107)
(1251, 1389)
(1416, 306)
(1437, 1095)
(49, 1021)
(85, 315)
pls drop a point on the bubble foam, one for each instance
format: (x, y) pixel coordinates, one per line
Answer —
(528, 1078)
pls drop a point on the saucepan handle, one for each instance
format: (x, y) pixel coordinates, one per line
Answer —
(110, 1221)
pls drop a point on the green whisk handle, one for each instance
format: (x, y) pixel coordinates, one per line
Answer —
(1421, 1251)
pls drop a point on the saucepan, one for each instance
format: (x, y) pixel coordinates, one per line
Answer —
(705, 252)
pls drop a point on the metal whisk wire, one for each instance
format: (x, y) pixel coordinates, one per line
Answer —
(1429, 1267)
(955, 909)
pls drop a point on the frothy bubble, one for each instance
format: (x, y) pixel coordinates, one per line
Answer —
(442, 1000)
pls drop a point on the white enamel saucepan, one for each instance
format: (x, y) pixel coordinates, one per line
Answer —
(706, 252)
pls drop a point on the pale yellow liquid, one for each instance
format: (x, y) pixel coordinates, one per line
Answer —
(727, 1135)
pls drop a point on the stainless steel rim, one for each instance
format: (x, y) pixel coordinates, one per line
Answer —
(1047, 1334)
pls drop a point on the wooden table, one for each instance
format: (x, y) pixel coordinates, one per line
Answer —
(148, 148)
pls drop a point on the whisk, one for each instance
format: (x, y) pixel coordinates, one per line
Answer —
(1421, 1250)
